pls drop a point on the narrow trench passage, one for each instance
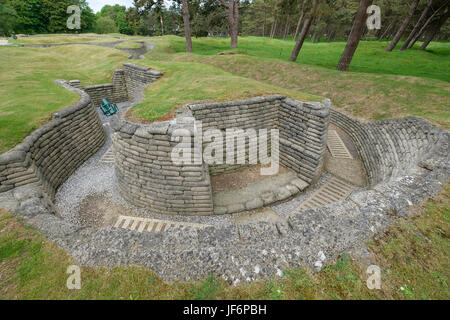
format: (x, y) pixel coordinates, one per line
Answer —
(89, 197)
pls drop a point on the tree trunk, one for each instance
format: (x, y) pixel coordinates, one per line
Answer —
(424, 27)
(354, 36)
(305, 30)
(298, 26)
(403, 27)
(264, 25)
(417, 26)
(286, 29)
(386, 31)
(299, 23)
(274, 28)
(187, 27)
(435, 30)
(234, 22)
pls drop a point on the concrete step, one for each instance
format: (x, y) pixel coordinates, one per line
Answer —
(108, 157)
(337, 146)
(153, 225)
(333, 190)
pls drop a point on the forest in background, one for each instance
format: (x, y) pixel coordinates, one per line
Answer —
(270, 18)
(329, 20)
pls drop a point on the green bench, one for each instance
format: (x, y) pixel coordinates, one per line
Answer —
(108, 108)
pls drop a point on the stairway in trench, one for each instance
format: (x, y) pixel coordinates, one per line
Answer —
(333, 190)
(153, 225)
(337, 146)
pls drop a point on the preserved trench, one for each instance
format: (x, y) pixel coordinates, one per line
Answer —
(67, 180)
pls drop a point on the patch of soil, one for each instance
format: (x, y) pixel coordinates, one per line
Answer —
(240, 179)
(96, 211)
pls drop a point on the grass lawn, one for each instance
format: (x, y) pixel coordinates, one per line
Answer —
(60, 39)
(369, 58)
(370, 96)
(185, 82)
(259, 67)
(29, 94)
(413, 258)
(129, 45)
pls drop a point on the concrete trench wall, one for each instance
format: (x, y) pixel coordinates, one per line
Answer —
(53, 152)
(147, 176)
(390, 148)
(137, 78)
(127, 85)
(257, 113)
(115, 92)
(303, 136)
(302, 127)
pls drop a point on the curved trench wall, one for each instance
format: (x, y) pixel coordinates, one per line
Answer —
(53, 152)
(127, 85)
(257, 113)
(302, 128)
(147, 176)
(390, 148)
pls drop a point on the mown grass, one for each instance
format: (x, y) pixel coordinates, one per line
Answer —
(59, 39)
(259, 68)
(29, 94)
(129, 45)
(185, 82)
(413, 257)
(364, 95)
(370, 57)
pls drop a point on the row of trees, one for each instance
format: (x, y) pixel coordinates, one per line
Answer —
(412, 20)
(316, 17)
(41, 16)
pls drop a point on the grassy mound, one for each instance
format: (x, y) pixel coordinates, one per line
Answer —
(29, 93)
(386, 85)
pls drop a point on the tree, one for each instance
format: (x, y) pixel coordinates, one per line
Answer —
(355, 36)
(187, 27)
(417, 26)
(425, 25)
(233, 20)
(105, 25)
(305, 30)
(403, 27)
(31, 18)
(300, 18)
(8, 19)
(436, 28)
